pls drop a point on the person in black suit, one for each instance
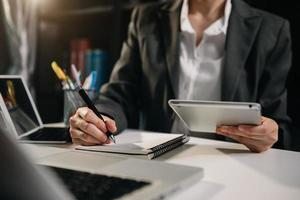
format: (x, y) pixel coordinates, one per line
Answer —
(239, 53)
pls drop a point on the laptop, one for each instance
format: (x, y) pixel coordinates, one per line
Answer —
(21, 114)
(20, 179)
(85, 175)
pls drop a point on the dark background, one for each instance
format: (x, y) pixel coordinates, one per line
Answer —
(105, 22)
(290, 10)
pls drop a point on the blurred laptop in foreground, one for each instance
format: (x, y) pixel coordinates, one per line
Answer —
(100, 176)
(22, 180)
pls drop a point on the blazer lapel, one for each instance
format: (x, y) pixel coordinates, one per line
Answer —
(243, 26)
(169, 27)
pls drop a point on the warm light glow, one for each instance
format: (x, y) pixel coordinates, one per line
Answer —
(37, 2)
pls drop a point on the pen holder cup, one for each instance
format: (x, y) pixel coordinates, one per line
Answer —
(72, 101)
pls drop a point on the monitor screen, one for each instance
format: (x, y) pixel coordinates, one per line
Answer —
(18, 105)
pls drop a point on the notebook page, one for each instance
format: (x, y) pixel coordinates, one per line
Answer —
(133, 142)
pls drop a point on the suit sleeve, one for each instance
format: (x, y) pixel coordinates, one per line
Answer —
(119, 98)
(273, 85)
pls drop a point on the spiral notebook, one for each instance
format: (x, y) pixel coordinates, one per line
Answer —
(134, 142)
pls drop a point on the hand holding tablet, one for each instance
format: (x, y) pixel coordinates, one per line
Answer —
(206, 116)
(239, 121)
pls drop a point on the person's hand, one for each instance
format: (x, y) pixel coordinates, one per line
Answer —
(256, 138)
(87, 129)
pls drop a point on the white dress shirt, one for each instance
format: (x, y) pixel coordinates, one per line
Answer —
(201, 66)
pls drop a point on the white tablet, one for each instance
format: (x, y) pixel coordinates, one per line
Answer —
(206, 116)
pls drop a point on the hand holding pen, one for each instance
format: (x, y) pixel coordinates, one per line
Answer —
(85, 126)
(91, 106)
(87, 129)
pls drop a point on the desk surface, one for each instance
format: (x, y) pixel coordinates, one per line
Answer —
(230, 170)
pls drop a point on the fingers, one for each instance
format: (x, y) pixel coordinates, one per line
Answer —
(81, 142)
(250, 131)
(79, 135)
(110, 124)
(267, 125)
(86, 127)
(256, 138)
(89, 116)
(233, 130)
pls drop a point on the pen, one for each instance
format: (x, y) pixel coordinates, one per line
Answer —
(91, 106)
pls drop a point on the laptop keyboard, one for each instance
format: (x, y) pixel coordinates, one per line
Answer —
(49, 134)
(85, 185)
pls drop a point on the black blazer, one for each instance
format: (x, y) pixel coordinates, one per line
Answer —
(257, 61)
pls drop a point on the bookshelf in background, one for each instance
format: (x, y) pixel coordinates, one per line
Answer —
(92, 30)
(88, 60)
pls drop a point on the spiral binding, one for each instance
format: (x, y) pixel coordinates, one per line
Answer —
(162, 146)
(167, 148)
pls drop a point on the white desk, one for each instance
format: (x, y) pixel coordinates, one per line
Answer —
(230, 170)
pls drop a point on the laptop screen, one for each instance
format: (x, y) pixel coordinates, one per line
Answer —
(3, 117)
(18, 104)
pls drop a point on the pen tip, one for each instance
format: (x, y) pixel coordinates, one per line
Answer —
(113, 139)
